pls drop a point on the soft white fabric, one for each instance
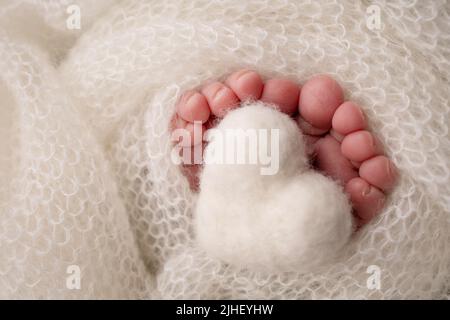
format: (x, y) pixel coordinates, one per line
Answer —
(84, 162)
(264, 208)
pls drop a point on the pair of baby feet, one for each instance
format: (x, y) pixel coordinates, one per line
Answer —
(335, 131)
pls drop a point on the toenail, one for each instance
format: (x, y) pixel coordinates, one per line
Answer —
(190, 101)
(391, 169)
(220, 93)
(366, 191)
(187, 96)
(190, 95)
(243, 73)
(361, 113)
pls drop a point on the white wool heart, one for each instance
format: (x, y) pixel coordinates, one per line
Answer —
(293, 220)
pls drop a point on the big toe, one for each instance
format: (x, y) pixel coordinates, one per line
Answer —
(319, 99)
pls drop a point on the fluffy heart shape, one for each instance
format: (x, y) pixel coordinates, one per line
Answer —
(273, 214)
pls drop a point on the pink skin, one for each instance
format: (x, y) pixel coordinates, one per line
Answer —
(193, 106)
(319, 99)
(335, 131)
(283, 93)
(220, 98)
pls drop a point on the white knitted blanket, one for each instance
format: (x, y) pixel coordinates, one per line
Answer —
(92, 207)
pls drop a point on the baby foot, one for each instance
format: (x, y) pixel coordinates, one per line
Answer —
(345, 150)
(335, 130)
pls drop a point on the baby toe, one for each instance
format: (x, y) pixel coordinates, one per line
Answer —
(246, 84)
(282, 92)
(220, 98)
(329, 159)
(348, 118)
(367, 200)
(319, 99)
(193, 106)
(379, 171)
(360, 145)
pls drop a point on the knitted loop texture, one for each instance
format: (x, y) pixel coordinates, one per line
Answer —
(91, 205)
